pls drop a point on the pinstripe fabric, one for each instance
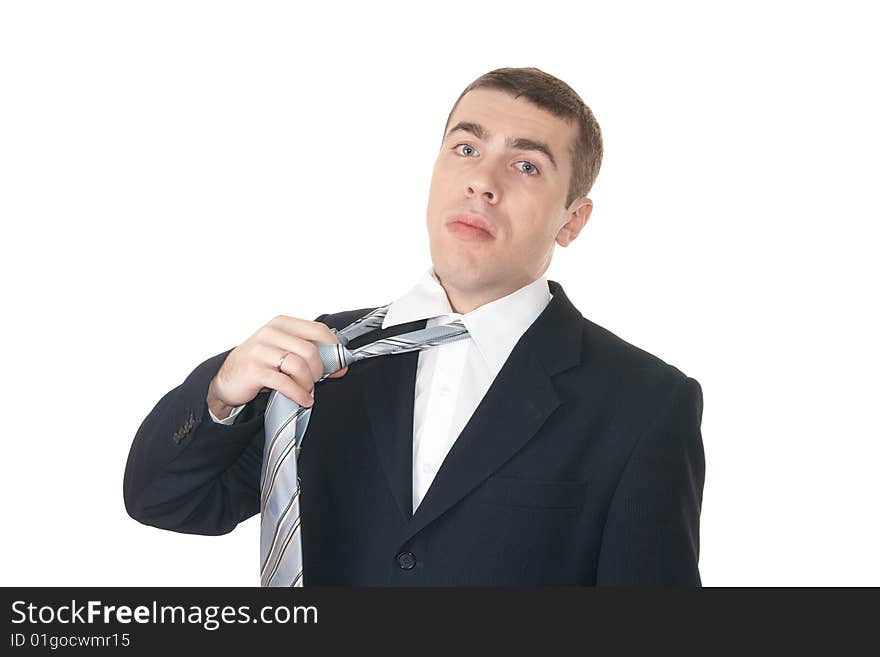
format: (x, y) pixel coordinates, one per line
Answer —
(281, 562)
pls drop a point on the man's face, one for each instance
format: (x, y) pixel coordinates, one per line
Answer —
(491, 169)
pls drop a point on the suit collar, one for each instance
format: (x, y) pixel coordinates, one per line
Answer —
(496, 430)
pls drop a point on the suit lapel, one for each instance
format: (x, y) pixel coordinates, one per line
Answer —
(388, 389)
(512, 411)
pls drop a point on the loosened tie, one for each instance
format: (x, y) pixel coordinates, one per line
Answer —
(281, 562)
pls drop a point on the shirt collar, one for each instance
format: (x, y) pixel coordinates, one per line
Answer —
(494, 327)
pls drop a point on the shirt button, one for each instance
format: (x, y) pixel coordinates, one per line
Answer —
(426, 468)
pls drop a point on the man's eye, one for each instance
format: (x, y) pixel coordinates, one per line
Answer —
(531, 171)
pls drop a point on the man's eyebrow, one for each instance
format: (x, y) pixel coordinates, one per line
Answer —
(519, 143)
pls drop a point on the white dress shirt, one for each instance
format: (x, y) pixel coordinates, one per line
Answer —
(452, 379)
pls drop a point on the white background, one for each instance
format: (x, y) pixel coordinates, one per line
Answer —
(169, 172)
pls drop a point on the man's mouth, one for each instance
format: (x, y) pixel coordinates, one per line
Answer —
(468, 232)
(470, 227)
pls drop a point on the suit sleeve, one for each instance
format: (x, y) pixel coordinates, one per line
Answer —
(187, 473)
(652, 532)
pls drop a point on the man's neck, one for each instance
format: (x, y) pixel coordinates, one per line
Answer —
(464, 302)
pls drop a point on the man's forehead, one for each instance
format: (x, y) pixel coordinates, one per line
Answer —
(501, 115)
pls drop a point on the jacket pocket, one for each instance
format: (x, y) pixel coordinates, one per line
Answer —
(534, 493)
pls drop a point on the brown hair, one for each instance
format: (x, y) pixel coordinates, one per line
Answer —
(555, 96)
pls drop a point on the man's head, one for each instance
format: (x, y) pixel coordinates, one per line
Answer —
(520, 152)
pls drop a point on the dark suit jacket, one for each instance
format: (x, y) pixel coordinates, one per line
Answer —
(582, 465)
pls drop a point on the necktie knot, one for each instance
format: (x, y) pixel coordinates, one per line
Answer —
(336, 356)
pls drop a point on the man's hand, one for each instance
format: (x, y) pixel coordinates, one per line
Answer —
(253, 365)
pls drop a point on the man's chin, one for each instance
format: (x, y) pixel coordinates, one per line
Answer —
(465, 277)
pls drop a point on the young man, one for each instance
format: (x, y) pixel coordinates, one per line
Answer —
(541, 450)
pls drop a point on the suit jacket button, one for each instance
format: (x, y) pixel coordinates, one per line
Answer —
(406, 560)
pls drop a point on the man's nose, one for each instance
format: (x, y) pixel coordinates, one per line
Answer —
(483, 183)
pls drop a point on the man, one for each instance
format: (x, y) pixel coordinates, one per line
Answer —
(543, 450)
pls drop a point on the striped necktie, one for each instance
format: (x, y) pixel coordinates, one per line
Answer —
(281, 561)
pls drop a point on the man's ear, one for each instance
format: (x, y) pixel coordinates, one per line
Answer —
(578, 214)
